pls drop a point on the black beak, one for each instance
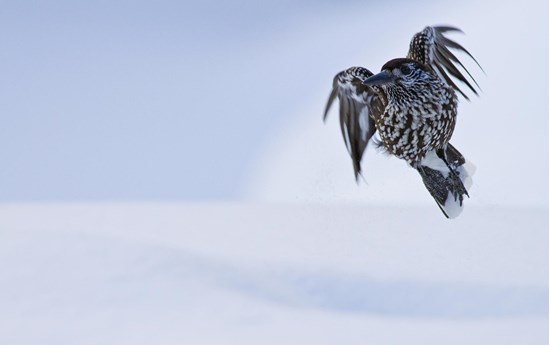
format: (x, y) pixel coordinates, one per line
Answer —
(381, 78)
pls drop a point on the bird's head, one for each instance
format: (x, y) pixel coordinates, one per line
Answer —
(400, 72)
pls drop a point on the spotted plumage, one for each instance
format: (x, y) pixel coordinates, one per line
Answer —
(420, 111)
(412, 105)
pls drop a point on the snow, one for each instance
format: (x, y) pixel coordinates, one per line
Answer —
(108, 101)
(236, 273)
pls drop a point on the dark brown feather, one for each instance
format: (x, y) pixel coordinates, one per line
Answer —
(431, 47)
(355, 101)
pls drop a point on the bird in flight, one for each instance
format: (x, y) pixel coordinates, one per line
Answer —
(412, 104)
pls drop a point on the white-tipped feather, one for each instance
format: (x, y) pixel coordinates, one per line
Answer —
(466, 171)
(452, 207)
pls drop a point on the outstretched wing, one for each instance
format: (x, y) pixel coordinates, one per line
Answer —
(432, 48)
(359, 106)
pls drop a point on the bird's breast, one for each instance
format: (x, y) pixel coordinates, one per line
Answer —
(410, 131)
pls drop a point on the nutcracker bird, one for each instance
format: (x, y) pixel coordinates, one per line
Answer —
(412, 104)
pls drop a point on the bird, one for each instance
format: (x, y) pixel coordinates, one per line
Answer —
(412, 107)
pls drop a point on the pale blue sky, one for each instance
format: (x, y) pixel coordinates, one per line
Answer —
(137, 99)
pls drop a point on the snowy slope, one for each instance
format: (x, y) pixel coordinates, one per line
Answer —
(230, 273)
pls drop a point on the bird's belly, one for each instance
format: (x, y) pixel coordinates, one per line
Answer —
(410, 138)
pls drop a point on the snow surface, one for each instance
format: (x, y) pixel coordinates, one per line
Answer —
(230, 273)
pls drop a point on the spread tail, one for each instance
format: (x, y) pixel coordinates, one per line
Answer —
(448, 177)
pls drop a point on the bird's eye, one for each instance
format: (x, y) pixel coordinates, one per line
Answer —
(405, 69)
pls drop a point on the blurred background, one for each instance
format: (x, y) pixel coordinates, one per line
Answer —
(222, 100)
(166, 178)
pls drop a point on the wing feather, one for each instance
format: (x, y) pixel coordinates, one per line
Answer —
(359, 106)
(431, 47)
